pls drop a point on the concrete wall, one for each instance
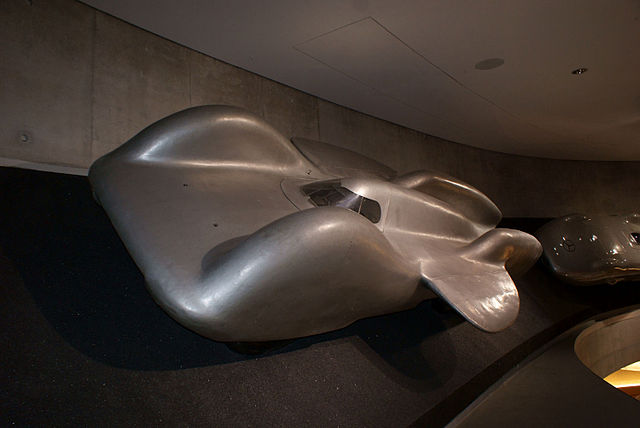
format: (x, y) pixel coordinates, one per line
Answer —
(75, 83)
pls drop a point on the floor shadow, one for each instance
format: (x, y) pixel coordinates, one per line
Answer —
(84, 282)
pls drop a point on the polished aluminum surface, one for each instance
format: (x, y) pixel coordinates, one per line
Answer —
(586, 250)
(215, 207)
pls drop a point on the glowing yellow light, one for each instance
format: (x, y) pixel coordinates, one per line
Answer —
(633, 366)
(626, 376)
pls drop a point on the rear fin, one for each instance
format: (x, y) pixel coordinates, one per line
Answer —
(513, 249)
(476, 283)
(483, 294)
(341, 162)
(468, 200)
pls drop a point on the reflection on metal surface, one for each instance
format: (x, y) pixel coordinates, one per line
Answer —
(330, 193)
(585, 250)
(244, 236)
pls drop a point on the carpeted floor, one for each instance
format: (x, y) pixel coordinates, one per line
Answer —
(553, 388)
(84, 344)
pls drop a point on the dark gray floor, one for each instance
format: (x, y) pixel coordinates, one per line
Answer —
(554, 389)
(84, 344)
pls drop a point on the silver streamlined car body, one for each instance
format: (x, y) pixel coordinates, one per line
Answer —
(243, 235)
(587, 250)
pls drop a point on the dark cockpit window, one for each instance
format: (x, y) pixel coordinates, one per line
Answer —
(332, 194)
(370, 209)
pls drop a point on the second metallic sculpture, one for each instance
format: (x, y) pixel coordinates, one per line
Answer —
(244, 235)
(594, 249)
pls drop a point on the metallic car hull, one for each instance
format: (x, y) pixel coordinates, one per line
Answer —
(211, 204)
(587, 250)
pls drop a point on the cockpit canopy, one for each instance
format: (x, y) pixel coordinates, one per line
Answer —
(332, 194)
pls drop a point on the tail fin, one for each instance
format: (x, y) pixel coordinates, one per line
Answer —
(476, 283)
(468, 200)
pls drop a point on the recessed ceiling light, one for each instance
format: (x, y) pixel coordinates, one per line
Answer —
(579, 70)
(489, 63)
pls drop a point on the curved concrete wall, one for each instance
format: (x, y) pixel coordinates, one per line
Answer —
(611, 344)
(75, 83)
